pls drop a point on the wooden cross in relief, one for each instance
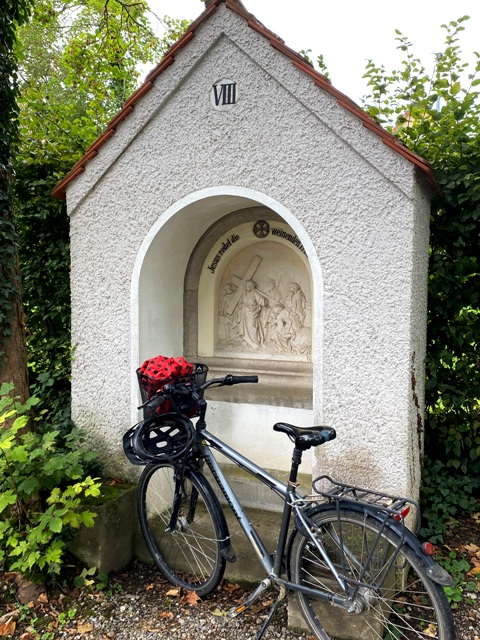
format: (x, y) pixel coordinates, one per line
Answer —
(249, 273)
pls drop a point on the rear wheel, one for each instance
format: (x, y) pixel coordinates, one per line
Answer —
(398, 600)
(189, 555)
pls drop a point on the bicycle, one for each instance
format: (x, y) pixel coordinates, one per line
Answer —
(348, 551)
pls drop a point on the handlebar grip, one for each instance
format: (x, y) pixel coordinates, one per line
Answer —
(157, 400)
(229, 380)
(154, 402)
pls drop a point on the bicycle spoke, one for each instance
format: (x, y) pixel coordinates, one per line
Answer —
(203, 561)
(190, 546)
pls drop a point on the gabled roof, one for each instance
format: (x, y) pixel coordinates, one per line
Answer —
(299, 61)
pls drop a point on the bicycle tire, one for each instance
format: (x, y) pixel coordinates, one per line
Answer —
(406, 605)
(190, 556)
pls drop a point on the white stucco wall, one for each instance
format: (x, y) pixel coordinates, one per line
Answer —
(157, 184)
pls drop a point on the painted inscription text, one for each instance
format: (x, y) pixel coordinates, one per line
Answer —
(280, 233)
(221, 252)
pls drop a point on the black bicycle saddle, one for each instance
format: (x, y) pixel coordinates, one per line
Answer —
(306, 437)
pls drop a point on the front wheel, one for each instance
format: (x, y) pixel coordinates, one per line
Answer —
(395, 601)
(188, 554)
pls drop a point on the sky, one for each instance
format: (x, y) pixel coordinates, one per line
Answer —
(349, 32)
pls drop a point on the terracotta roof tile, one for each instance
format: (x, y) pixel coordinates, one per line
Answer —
(277, 43)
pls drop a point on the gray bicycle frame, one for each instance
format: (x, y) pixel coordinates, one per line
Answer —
(280, 489)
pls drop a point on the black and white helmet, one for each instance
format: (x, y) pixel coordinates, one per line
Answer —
(162, 437)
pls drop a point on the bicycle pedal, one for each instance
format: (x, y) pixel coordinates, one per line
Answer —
(236, 611)
(262, 587)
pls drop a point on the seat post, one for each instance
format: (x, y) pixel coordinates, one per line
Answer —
(296, 462)
(287, 510)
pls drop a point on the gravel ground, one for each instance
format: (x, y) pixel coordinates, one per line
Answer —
(148, 608)
(138, 604)
(144, 610)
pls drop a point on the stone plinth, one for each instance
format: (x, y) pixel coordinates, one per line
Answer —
(108, 545)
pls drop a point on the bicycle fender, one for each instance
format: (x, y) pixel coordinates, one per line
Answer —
(226, 548)
(434, 571)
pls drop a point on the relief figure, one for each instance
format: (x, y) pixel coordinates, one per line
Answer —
(274, 297)
(297, 302)
(286, 326)
(227, 321)
(283, 329)
(251, 306)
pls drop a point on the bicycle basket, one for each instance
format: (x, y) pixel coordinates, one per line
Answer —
(159, 438)
(156, 372)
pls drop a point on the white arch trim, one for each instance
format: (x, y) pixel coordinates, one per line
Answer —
(245, 197)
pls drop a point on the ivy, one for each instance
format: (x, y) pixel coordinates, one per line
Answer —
(13, 13)
(444, 497)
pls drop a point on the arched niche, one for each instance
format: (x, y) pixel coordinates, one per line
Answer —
(248, 307)
(164, 300)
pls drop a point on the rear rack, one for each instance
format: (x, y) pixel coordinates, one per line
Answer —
(332, 491)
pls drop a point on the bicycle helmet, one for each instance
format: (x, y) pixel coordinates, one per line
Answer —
(163, 437)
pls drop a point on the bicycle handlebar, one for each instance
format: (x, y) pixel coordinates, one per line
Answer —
(155, 401)
(192, 389)
(230, 380)
(226, 381)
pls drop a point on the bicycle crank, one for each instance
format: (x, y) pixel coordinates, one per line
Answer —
(262, 587)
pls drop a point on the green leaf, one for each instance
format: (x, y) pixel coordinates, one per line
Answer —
(29, 486)
(55, 524)
(7, 498)
(88, 518)
(455, 89)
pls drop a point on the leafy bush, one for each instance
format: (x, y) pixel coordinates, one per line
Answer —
(436, 113)
(465, 584)
(43, 482)
(445, 495)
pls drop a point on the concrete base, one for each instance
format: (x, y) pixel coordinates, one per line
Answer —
(109, 544)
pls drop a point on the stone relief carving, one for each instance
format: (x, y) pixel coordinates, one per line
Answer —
(264, 305)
